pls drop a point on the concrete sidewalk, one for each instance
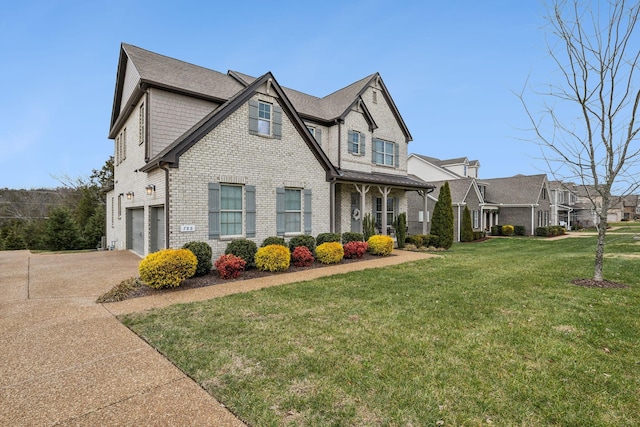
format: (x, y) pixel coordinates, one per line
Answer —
(67, 361)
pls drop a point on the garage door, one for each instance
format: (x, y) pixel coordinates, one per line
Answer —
(135, 239)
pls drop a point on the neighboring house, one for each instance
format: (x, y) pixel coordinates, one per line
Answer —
(631, 208)
(521, 200)
(464, 192)
(589, 204)
(206, 156)
(563, 204)
(432, 169)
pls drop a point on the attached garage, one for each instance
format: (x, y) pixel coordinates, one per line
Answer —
(135, 230)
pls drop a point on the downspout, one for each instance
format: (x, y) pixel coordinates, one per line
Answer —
(166, 205)
(339, 143)
(459, 223)
(332, 205)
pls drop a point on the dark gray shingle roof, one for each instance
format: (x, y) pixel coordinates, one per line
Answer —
(515, 190)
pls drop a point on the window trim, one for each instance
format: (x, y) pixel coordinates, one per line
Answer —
(390, 200)
(394, 155)
(241, 211)
(268, 121)
(356, 148)
(299, 212)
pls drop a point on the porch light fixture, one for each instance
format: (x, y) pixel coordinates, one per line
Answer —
(130, 195)
(150, 189)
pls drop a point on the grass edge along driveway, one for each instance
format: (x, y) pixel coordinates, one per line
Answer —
(490, 333)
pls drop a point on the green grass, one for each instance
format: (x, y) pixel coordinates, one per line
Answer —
(489, 333)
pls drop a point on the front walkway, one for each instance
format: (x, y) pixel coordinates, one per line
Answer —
(67, 361)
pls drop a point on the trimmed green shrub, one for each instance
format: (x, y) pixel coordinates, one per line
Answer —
(244, 248)
(327, 237)
(355, 249)
(330, 253)
(442, 220)
(273, 240)
(368, 226)
(477, 235)
(542, 231)
(507, 230)
(429, 240)
(496, 230)
(519, 230)
(380, 245)
(305, 240)
(273, 258)
(415, 240)
(466, 234)
(230, 266)
(203, 253)
(351, 236)
(167, 268)
(301, 257)
(400, 224)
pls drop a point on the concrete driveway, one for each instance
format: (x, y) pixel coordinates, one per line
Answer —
(67, 361)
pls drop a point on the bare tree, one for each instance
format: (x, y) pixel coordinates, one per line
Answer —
(589, 131)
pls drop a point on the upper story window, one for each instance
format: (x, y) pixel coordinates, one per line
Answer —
(316, 133)
(356, 142)
(482, 191)
(121, 147)
(465, 170)
(385, 153)
(543, 195)
(265, 119)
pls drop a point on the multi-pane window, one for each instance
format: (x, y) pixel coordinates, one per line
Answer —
(231, 210)
(391, 203)
(264, 118)
(476, 219)
(312, 130)
(355, 141)
(293, 210)
(384, 152)
(121, 146)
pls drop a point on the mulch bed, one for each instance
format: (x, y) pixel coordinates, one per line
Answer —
(590, 283)
(213, 279)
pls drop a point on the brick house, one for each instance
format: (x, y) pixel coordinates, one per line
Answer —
(202, 155)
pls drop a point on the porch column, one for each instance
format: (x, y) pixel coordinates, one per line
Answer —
(363, 190)
(385, 193)
(425, 216)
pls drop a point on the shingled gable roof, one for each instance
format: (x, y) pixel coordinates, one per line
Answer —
(170, 74)
(386, 179)
(459, 189)
(519, 190)
(336, 105)
(172, 153)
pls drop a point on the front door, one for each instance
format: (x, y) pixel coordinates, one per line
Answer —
(356, 213)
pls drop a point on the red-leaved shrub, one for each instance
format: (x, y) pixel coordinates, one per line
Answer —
(355, 249)
(230, 266)
(302, 257)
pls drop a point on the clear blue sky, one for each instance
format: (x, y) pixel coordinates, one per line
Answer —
(451, 67)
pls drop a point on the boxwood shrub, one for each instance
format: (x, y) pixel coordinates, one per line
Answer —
(244, 248)
(305, 240)
(273, 240)
(327, 237)
(203, 253)
(351, 236)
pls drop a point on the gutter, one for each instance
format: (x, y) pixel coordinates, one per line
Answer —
(166, 204)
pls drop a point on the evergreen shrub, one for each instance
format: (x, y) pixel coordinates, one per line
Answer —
(244, 248)
(273, 240)
(305, 240)
(351, 236)
(327, 237)
(203, 253)
(330, 253)
(519, 230)
(167, 268)
(273, 258)
(466, 234)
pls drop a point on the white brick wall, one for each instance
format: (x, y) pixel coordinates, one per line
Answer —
(171, 115)
(229, 154)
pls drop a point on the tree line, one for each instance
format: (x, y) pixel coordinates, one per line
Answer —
(69, 217)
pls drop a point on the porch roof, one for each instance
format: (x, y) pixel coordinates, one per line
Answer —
(407, 182)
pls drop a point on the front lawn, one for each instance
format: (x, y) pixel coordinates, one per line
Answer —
(491, 332)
